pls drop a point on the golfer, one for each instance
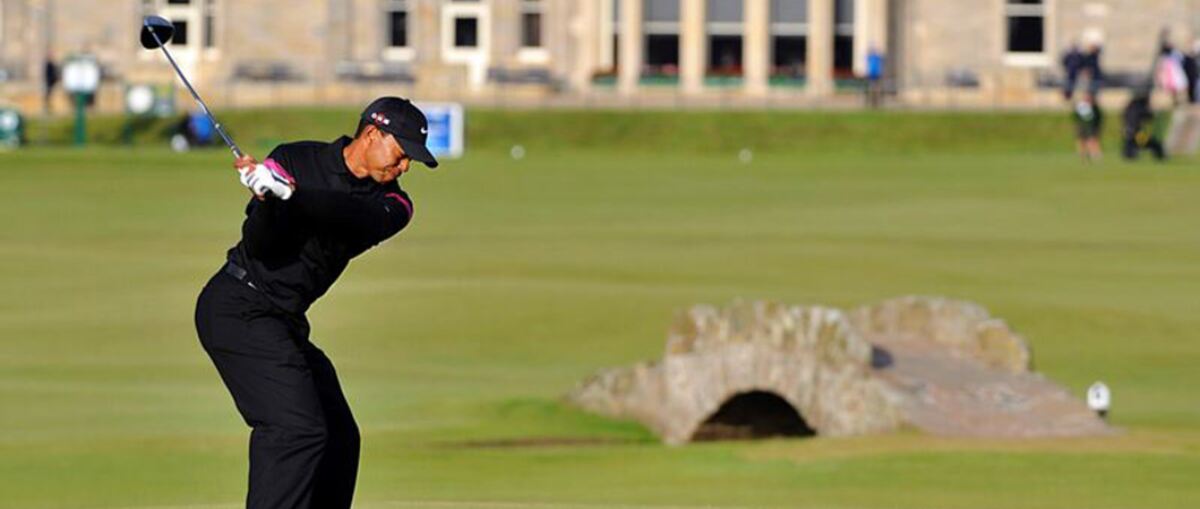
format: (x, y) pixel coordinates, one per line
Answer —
(315, 207)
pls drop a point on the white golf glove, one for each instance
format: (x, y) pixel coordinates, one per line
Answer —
(268, 179)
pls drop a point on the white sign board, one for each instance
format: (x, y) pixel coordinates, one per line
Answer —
(81, 75)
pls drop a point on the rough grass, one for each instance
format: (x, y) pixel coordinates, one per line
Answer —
(456, 340)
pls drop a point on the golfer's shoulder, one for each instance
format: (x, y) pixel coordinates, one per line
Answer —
(302, 158)
(298, 149)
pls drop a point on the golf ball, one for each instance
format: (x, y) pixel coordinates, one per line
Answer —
(746, 156)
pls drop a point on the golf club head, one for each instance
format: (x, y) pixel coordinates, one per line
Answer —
(156, 31)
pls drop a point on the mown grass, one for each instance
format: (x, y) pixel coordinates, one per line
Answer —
(456, 340)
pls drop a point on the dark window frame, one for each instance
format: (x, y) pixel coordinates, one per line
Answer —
(533, 24)
(391, 10)
(1025, 27)
(462, 39)
(397, 29)
(181, 33)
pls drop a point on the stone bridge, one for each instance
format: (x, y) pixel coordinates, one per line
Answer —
(766, 369)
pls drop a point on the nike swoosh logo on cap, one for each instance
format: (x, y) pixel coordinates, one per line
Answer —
(424, 130)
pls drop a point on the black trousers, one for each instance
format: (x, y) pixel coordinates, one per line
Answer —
(304, 444)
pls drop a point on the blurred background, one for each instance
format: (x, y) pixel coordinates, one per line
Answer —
(607, 165)
(663, 53)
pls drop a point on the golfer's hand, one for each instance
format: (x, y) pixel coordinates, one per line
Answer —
(245, 166)
(269, 179)
(245, 163)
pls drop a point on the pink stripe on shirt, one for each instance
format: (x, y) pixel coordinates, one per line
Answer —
(407, 205)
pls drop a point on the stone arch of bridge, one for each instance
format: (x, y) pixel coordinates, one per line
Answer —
(753, 414)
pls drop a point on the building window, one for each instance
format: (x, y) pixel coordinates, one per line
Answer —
(397, 24)
(843, 38)
(725, 55)
(661, 26)
(181, 33)
(662, 53)
(531, 23)
(1026, 26)
(210, 31)
(724, 28)
(661, 11)
(398, 29)
(789, 37)
(466, 32)
(788, 54)
(614, 7)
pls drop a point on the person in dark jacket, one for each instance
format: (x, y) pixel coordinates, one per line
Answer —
(1139, 130)
(1091, 70)
(315, 207)
(1072, 62)
(1191, 70)
(50, 77)
(1083, 66)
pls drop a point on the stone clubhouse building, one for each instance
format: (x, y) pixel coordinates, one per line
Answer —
(667, 53)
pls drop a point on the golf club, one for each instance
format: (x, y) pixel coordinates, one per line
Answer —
(156, 32)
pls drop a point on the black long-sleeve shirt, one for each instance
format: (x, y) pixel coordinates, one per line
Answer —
(294, 250)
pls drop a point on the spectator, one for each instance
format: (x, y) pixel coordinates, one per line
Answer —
(1090, 65)
(1139, 130)
(1191, 69)
(195, 130)
(1083, 69)
(1089, 121)
(1169, 73)
(200, 129)
(1083, 64)
(875, 67)
(1072, 63)
(50, 76)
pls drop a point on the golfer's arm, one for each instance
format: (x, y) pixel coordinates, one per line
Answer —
(340, 214)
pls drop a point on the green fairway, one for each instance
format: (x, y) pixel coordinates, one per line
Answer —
(456, 340)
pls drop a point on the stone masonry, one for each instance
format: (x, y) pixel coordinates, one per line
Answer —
(942, 366)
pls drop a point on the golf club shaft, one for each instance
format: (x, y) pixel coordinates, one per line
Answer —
(237, 152)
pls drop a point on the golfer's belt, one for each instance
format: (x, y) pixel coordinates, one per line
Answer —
(238, 273)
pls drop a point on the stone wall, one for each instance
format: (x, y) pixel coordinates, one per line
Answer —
(943, 35)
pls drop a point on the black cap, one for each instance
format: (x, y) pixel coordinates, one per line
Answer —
(398, 117)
